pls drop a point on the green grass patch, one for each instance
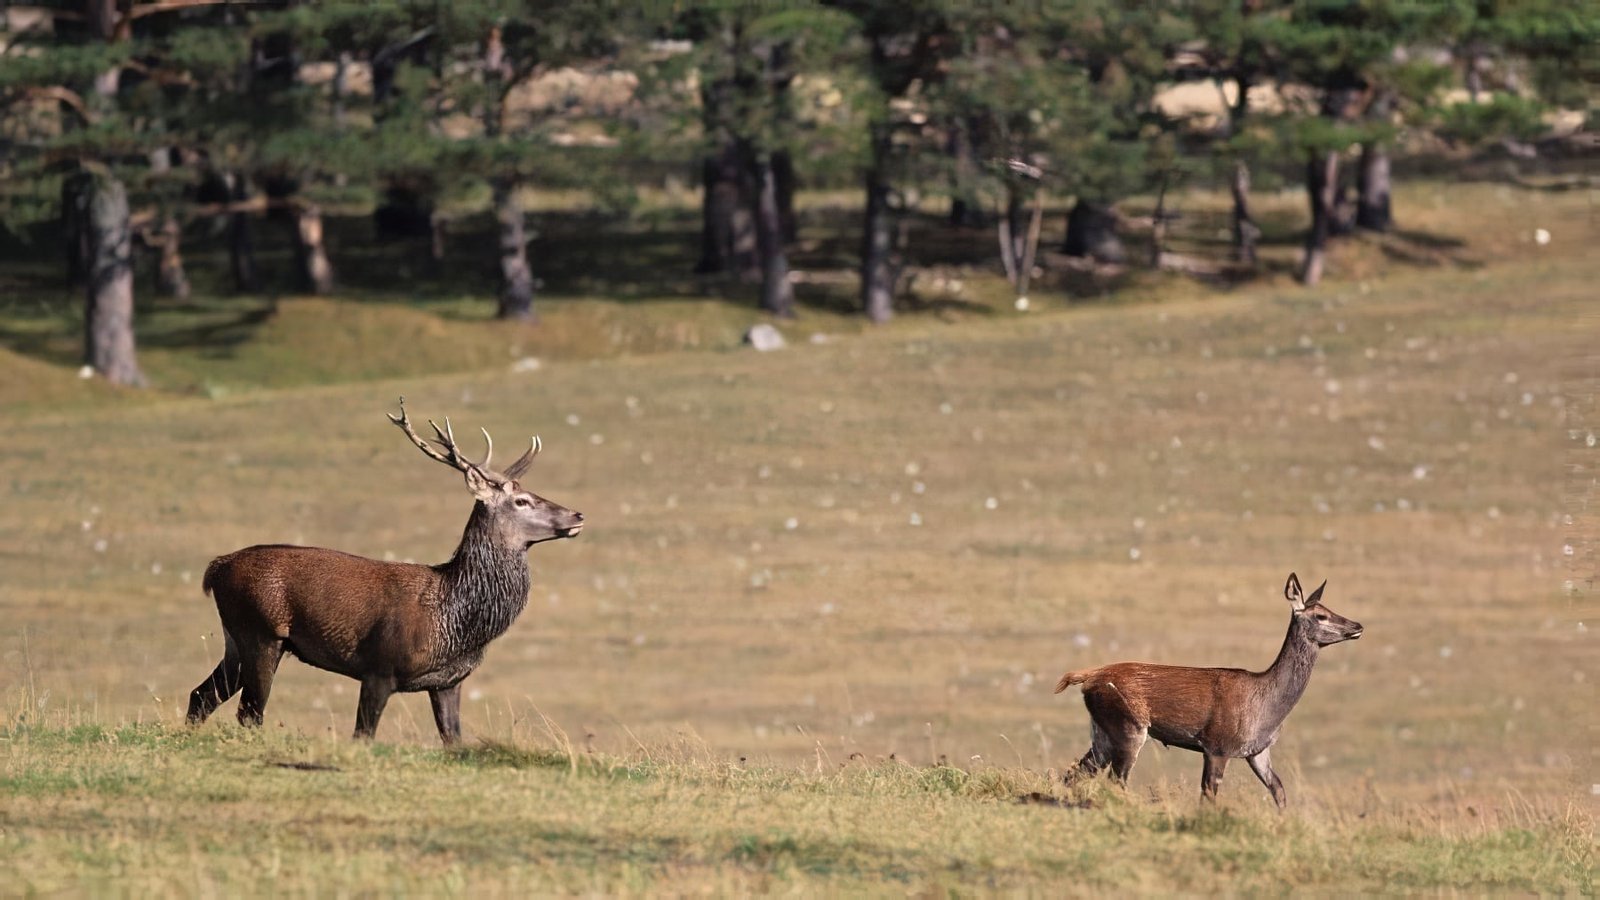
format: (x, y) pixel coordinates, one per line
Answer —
(181, 818)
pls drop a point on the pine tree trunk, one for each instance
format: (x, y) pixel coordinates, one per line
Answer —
(1092, 232)
(777, 294)
(1322, 184)
(241, 240)
(877, 236)
(76, 191)
(516, 278)
(313, 272)
(727, 233)
(716, 217)
(436, 237)
(963, 212)
(1372, 206)
(101, 17)
(1158, 227)
(171, 279)
(783, 172)
(341, 89)
(1013, 231)
(108, 318)
(1245, 231)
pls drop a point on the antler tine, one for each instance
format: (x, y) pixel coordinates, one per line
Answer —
(447, 440)
(447, 437)
(516, 469)
(405, 425)
(489, 453)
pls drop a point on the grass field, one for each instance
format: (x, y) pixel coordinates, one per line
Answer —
(889, 544)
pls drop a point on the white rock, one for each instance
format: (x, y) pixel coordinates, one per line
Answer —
(764, 337)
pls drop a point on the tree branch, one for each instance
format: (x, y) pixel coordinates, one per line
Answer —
(65, 96)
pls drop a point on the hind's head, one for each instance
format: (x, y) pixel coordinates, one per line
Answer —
(1322, 625)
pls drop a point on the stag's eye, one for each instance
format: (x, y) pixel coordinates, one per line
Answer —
(522, 502)
(1321, 617)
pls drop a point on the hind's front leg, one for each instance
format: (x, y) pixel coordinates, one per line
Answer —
(1261, 764)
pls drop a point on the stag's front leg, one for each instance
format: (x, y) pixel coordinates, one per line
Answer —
(1211, 776)
(375, 691)
(447, 713)
(1261, 764)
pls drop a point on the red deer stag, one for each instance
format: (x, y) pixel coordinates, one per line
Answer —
(392, 626)
(1222, 713)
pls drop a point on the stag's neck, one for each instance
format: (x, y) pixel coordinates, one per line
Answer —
(485, 587)
(1286, 679)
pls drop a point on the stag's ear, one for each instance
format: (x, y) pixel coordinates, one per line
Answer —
(1316, 595)
(480, 485)
(1292, 593)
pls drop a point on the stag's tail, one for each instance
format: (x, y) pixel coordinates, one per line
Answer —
(209, 580)
(1072, 678)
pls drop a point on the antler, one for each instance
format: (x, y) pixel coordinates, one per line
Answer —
(516, 469)
(452, 456)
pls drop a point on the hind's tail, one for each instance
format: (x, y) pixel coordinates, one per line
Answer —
(1072, 678)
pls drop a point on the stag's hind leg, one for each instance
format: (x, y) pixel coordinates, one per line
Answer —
(259, 663)
(214, 691)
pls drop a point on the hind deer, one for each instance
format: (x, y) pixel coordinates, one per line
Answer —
(1222, 713)
(392, 626)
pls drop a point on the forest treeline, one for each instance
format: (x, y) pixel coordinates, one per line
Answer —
(124, 123)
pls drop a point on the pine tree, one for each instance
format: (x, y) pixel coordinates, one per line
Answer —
(440, 118)
(99, 102)
(743, 124)
(906, 43)
(1351, 56)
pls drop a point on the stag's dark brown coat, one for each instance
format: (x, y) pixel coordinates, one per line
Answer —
(1221, 713)
(392, 626)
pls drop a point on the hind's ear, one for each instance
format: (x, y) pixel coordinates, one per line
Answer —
(1316, 595)
(1292, 593)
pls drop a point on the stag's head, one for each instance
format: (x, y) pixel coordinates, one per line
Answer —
(516, 516)
(1323, 625)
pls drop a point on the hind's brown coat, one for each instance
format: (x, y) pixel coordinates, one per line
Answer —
(1221, 713)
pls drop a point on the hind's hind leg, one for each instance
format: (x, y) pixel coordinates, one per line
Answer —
(260, 664)
(215, 690)
(1098, 757)
(1125, 748)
